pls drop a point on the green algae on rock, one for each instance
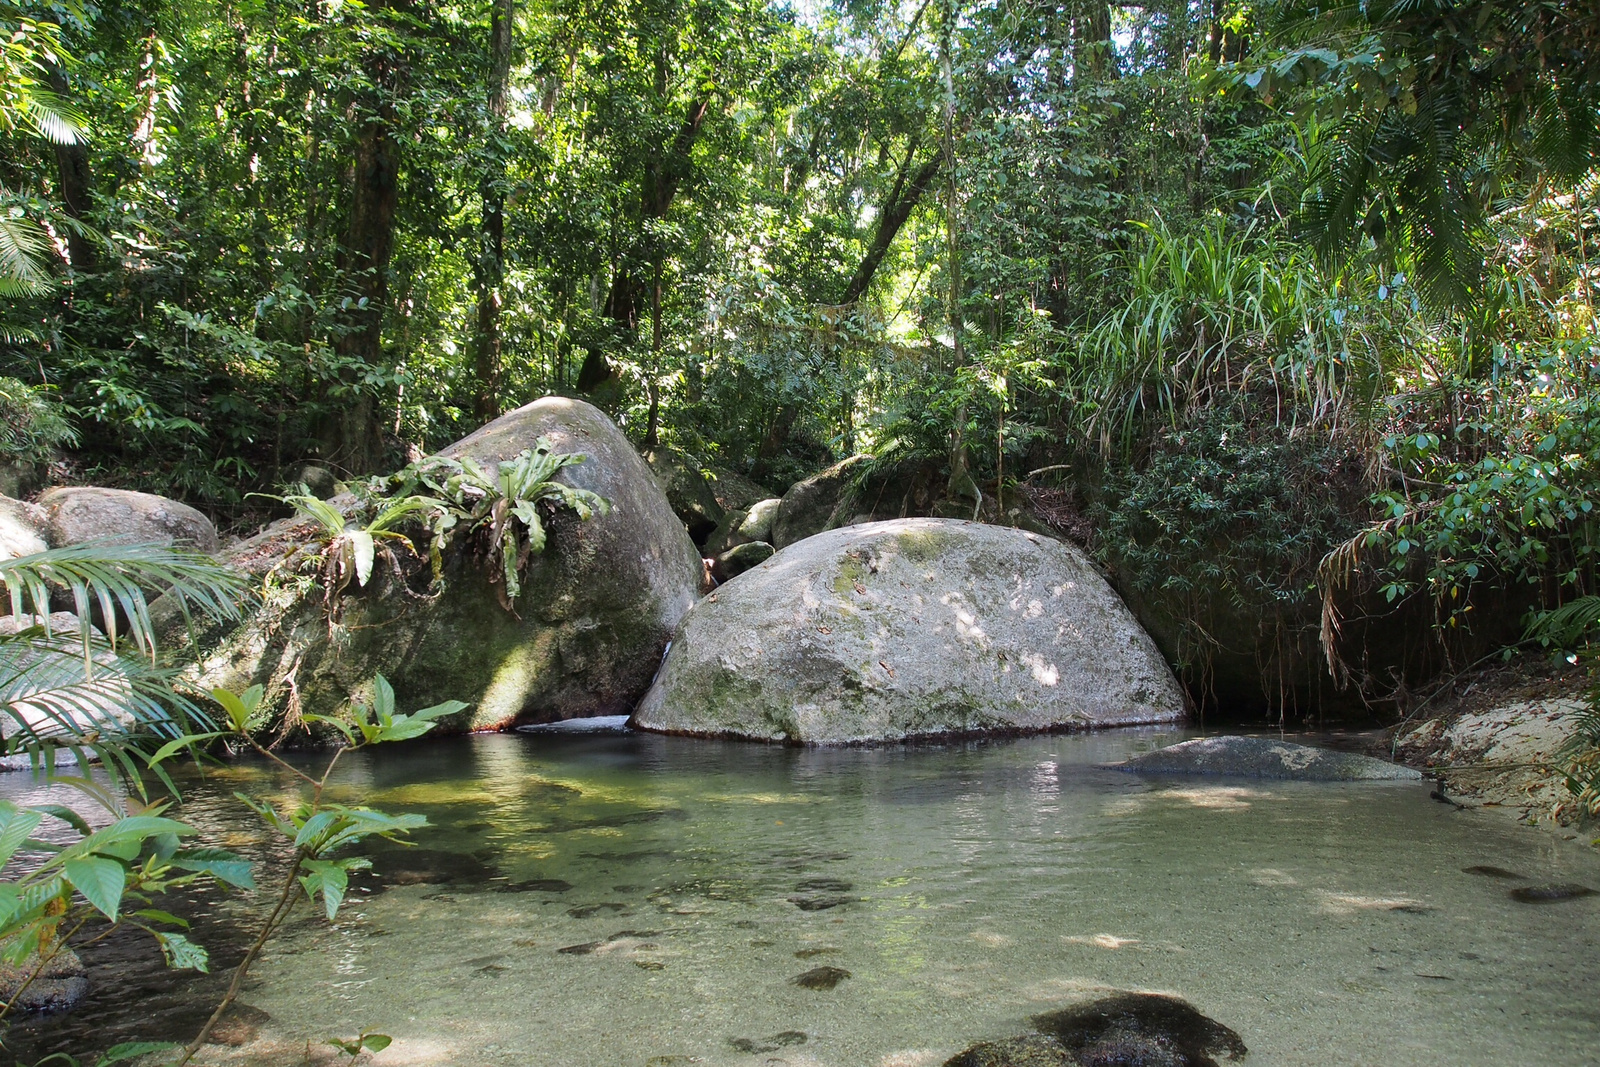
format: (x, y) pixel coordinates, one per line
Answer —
(596, 609)
(1263, 757)
(910, 628)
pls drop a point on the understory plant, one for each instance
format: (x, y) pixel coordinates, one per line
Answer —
(72, 694)
(498, 513)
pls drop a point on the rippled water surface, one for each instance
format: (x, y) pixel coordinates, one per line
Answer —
(638, 900)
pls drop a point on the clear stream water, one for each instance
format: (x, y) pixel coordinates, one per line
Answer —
(971, 886)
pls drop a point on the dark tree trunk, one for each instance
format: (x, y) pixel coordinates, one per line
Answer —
(352, 438)
(489, 273)
(663, 174)
(908, 189)
(72, 171)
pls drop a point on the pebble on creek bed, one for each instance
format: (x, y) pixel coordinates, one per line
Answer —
(821, 978)
(1549, 894)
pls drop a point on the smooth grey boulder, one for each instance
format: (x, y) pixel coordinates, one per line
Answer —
(757, 524)
(687, 491)
(85, 513)
(1263, 757)
(810, 506)
(596, 610)
(24, 528)
(741, 558)
(910, 628)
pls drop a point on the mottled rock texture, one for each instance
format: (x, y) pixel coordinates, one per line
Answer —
(82, 513)
(910, 628)
(595, 614)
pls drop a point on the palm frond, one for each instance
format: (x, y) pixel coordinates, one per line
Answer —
(116, 575)
(25, 248)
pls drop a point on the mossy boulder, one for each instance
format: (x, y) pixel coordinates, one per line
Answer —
(85, 513)
(910, 628)
(687, 491)
(595, 613)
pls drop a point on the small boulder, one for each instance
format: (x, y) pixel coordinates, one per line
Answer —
(910, 628)
(726, 535)
(59, 987)
(757, 524)
(84, 513)
(740, 558)
(687, 491)
(1263, 757)
(24, 528)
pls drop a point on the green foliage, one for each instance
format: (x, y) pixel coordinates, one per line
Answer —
(349, 549)
(499, 513)
(32, 422)
(1225, 512)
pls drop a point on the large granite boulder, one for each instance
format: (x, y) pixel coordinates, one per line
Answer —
(734, 490)
(24, 528)
(595, 613)
(84, 513)
(908, 628)
(1265, 757)
(809, 506)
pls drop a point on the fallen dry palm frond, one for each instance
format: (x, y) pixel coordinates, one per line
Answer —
(1336, 573)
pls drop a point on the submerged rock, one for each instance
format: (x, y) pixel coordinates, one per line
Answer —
(1549, 894)
(1489, 871)
(1030, 1050)
(769, 1044)
(1140, 1030)
(82, 513)
(1261, 757)
(1124, 1030)
(59, 987)
(820, 978)
(910, 628)
(596, 610)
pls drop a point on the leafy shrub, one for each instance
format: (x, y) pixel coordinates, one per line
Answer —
(32, 423)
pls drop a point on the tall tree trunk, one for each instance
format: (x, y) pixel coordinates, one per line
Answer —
(961, 482)
(352, 439)
(908, 189)
(489, 267)
(664, 172)
(72, 171)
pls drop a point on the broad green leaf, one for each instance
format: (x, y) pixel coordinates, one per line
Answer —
(362, 549)
(171, 748)
(327, 878)
(133, 1050)
(16, 825)
(155, 915)
(101, 882)
(221, 864)
(182, 953)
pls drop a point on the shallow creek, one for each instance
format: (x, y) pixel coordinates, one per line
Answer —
(962, 887)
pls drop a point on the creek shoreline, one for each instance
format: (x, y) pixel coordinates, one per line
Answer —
(1489, 743)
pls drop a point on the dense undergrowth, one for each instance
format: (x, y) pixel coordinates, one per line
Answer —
(1295, 304)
